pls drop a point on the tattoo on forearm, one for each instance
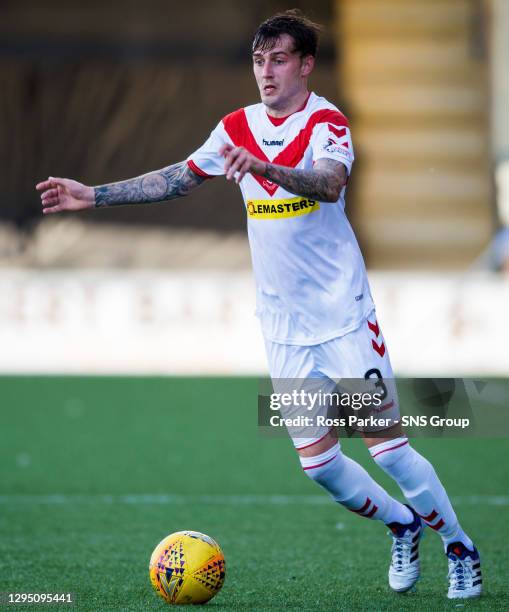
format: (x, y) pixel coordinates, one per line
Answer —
(323, 183)
(166, 184)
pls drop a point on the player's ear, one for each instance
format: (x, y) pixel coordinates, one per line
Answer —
(307, 64)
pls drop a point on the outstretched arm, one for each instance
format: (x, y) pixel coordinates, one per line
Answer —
(324, 182)
(166, 184)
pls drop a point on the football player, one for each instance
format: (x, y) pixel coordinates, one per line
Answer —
(291, 155)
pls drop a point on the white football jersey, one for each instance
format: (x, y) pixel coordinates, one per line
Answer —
(309, 271)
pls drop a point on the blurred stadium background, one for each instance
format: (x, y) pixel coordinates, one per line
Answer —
(95, 470)
(102, 91)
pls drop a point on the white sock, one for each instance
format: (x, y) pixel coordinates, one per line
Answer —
(421, 486)
(350, 485)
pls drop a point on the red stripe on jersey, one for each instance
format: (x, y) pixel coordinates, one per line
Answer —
(237, 128)
(339, 133)
(197, 170)
(292, 154)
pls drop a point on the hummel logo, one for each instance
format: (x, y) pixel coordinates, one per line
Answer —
(273, 143)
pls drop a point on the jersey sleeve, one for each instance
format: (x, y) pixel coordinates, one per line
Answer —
(206, 160)
(331, 141)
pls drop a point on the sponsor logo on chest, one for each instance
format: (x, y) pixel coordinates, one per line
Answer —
(281, 209)
(273, 143)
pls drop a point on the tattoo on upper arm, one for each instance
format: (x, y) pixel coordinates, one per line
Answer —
(324, 182)
(166, 184)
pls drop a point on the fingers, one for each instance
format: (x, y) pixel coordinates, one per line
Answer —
(52, 209)
(50, 182)
(235, 159)
(244, 169)
(49, 193)
(43, 185)
(230, 155)
(224, 149)
(57, 181)
(50, 201)
(50, 197)
(238, 162)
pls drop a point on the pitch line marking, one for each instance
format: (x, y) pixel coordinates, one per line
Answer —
(56, 499)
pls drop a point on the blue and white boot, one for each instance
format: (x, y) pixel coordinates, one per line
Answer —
(404, 570)
(465, 579)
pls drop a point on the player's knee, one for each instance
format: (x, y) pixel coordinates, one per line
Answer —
(319, 467)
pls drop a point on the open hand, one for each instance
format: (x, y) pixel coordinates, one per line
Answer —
(60, 194)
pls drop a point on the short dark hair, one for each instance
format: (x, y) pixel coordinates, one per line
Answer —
(293, 22)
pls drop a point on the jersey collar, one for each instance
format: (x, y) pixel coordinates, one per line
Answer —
(277, 121)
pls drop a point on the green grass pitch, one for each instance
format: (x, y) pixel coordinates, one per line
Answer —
(95, 471)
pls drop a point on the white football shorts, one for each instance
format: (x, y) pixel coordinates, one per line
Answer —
(328, 369)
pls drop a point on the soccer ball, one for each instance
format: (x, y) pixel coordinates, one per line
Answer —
(187, 567)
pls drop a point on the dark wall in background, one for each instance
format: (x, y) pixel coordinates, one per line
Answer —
(105, 90)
